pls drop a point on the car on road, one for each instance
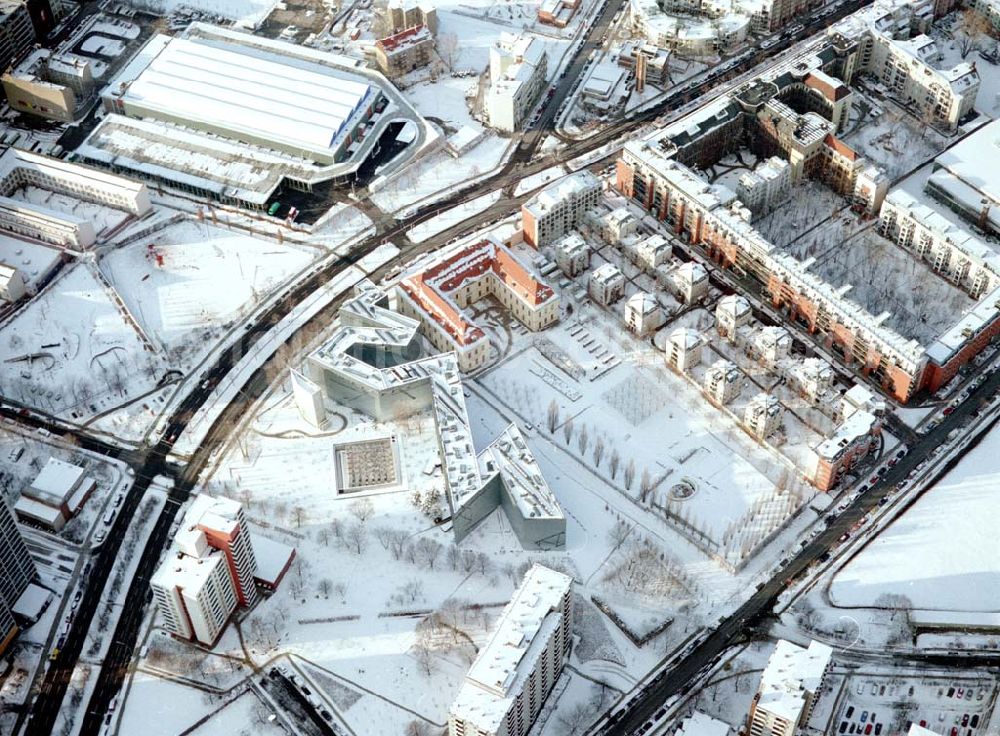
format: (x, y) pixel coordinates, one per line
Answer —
(868, 729)
(864, 716)
(844, 537)
(948, 410)
(850, 711)
(99, 536)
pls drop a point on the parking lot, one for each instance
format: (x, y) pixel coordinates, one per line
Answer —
(874, 705)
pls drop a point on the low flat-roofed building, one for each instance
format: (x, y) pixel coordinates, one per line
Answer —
(700, 724)
(57, 493)
(557, 13)
(605, 89)
(514, 672)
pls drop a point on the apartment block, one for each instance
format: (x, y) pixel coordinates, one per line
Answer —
(406, 14)
(855, 436)
(789, 686)
(606, 284)
(723, 381)
(514, 672)
(404, 51)
(518, 68)
(947, 249)
(17, 570)
(683, 349)
(193, 589)
(766, 186)
(732, 312)
(559, 207)
(572, 254)
(762, 416)
(643, 314)
(224, 526)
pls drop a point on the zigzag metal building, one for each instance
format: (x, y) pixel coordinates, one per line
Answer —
(373, 363)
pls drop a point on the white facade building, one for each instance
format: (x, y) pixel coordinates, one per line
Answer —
(518, 68)
(690, 281)
(616, 225)
(652, 252)
(723, 381)
(643, 313)
(572, 254)
(11, 283)
(683, 349)
(767, 186)
(559, 207)
(763, 416)
(514, 672)
(607, 284)
(732, 312)
(193, 589)
(772, 344)
(788, 688)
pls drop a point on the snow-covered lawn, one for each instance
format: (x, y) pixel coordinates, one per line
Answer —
(81, 356)
(209, 277)
(942, 553)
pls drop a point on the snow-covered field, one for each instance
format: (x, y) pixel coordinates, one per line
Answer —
(942, 553)
(183, 295)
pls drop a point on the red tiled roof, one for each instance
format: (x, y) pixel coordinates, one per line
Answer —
(840, 147)
(829, 91)
(429, 289)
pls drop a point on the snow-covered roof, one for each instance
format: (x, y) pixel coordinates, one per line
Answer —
(973, 161)
(565, 189)
(607, 273)
(228, 88)
(186, 572)
(791, 672)
(48, 515)
(642, 303)
(734, 305)
(855, 425)
(685, 337)
(571, 244)
(56, 481)
(700, 724)
(972, 321)
(272, 558)
(521, 476)
(917, 730)
(217, 513)
(521, 632)
(32, 602)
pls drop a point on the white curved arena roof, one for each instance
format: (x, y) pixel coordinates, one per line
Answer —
(231, 87)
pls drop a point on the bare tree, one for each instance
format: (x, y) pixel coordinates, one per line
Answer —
(325, 585)
(645, 485)
(618, 533)
(629, 474)
(583, 439)
(427, 551)
(613, 462)
(356, 537)
(568, 430)
(971, 29)
(363, 509)
(552, 418)
(397, 543)
(298, 516)
(598, 450)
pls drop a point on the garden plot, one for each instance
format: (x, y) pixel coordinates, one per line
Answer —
(104, 218)
(172, 281)
(941, 554)
(884, 277)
